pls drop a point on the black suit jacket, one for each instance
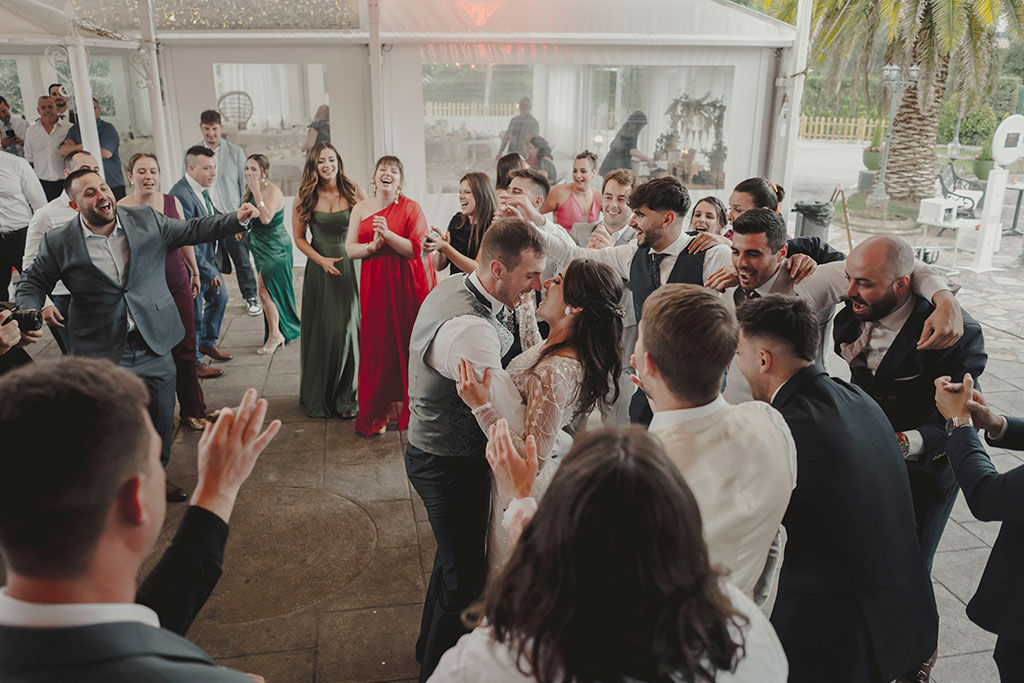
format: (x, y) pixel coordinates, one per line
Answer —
(815, 247)
(854, 596)
(175, 589)
(995, 497)
(98, 317)
(904, 383)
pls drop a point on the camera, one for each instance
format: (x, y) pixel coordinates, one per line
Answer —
(28, 319)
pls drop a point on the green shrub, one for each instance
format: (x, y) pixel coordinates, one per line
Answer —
(986, 151)
(976, 127)
(876, 137)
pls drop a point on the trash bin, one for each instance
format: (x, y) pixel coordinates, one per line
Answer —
(813, 218)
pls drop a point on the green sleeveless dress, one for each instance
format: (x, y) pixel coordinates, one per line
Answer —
(329, 346)
(271, 249)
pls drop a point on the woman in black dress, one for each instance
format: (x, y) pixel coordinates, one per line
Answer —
(457, 247)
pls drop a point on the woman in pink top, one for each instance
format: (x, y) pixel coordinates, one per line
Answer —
(568, 200)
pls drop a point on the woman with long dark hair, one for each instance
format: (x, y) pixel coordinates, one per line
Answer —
(458, 246)
(395, 278)
(329, 347)
(272, 253)
(570, 373)
(539, 150)
(505, 166)
(610, 581)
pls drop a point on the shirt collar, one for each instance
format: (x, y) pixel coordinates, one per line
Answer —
(19, 613)
(895, 320)
(618, 233)
(496, 306)
(89, 233)
(197, 189)
(766, 288)
(64, 200)
(676, 247)
(670, 418)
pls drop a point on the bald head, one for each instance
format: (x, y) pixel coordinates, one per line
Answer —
(889, 255)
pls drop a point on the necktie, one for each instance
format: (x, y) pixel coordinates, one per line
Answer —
(656, 260)
(742, 296)
(853, 353)
(752, 294)
(209, 203)
(508, 319)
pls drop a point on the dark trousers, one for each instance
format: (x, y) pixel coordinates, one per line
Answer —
(12, 250)
(456, 492)
(52, 188)
(190, 393)
(158, 374)
(933, 497)
(238, 250)
(61, 334)
(1009, 656)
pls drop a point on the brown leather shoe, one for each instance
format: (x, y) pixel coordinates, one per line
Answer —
(214, 353)
(176, 494)
(922, 674)
(197, 424)
(206, 372)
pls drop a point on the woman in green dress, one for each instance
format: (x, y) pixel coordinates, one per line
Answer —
(329, 348)
(272, 251)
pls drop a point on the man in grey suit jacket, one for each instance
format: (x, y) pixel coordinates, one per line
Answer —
(228, 191)
(72, 544)
(112, 261)
(615, 230)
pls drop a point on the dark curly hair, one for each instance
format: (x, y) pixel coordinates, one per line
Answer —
(596, 332)
(611, 579)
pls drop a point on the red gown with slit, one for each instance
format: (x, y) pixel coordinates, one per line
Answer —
(391, 289)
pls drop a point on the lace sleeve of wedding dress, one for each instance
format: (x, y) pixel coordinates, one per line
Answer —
(551, 390)
(526, 317)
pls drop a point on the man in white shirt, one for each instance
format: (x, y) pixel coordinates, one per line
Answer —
(42, 147)
(658, 256)
(739, 460)
(53, 215)
(612, 230)
(73, 544)
(463, 318)
(20, 195)
(12, 129)
(758, 254)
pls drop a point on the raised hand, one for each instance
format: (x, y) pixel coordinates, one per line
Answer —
(944, 326)
(800, 266)
(599, 238)
(514, 474)
(246, 212)
(723, 278)
(473, 392)
(703, 241)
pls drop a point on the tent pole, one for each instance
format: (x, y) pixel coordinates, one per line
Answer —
(78, 61)
(153, 85)
(376, 85)
(792, 81)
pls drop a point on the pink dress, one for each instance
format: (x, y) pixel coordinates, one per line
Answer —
(570, 212)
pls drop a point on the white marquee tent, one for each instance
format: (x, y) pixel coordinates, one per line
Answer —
(433, 81)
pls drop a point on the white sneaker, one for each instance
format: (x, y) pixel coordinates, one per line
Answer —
(254, 306)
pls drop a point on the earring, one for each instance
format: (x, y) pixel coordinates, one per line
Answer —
(373, 186)
(399, 196)
(568, 311)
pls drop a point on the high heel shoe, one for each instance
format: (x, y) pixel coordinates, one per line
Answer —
(270, 347)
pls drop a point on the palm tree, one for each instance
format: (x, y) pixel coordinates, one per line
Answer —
(941, 36)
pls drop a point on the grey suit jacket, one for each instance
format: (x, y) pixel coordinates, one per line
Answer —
(98, 317)
(105, 653)
(580, 233)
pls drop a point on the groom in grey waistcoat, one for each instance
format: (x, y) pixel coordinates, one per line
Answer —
(467, 317)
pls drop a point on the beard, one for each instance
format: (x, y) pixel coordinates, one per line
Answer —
(876, 311)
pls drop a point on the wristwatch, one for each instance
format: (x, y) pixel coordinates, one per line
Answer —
(955, 422)
(904, 444)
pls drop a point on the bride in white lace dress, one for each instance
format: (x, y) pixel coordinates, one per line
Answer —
(567, 375)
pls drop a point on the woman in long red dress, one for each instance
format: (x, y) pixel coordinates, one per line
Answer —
(395, 277)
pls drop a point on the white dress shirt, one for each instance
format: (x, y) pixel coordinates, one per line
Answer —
(218, 203)
(20, 193)
(42, 149)
(197, 190)
(19, 125)
(111, 255)
(479, 657)
(669, 418)
(21, 614)
(472, 338)
(883, 334)
(53, 215)
(562, 248)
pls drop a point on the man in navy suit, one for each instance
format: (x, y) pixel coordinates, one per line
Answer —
(79, 516)
(883, 334)
(992, 497)
(854, 598)
(112, 261)
(193, 192)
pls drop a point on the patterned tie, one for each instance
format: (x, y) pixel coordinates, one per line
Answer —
(742, 296)
(508, 319)
(656, 260)
(209, 203)
(853, 353)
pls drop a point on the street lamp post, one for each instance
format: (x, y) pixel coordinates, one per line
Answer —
(892, 77)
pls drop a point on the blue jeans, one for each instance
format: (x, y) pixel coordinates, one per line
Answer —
(210, 304)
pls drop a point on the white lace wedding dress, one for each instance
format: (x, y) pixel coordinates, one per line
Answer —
(549, 393)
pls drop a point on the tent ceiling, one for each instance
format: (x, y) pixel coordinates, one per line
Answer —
(199, 15)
